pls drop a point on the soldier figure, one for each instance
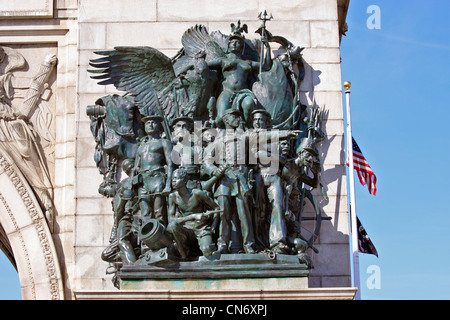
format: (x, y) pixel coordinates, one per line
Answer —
(185, 153)
(231, 191)
(127, 226)
(268, 183)
(234, 171)
(189, 224)
(123, 242)
(153, 154)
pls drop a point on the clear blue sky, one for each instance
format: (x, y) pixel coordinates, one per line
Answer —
(400, 107)
(400, 115)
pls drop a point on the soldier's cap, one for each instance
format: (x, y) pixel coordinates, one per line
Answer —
(152, 117)
(183, 118)
(263, 111)
(232, 111)
(308, 145)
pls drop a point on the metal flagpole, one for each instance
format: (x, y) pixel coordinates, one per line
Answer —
(353, 223)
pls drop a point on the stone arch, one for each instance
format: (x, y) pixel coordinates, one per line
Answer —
(29, 237)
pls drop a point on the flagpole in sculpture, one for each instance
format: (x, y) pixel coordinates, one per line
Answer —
(353, 219)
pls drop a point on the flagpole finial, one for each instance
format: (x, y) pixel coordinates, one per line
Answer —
(347, 85)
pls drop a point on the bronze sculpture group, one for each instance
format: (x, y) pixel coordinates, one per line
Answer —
(218, 151)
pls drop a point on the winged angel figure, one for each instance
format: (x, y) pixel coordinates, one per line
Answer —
(159, 86)
(212, 72)
(185, 85)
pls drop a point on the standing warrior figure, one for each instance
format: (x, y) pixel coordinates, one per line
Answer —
(153, 154)
(232, 191)
(124, 235)
(186, 154)
(268, 182)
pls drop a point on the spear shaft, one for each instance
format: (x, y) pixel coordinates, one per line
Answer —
(263, 35)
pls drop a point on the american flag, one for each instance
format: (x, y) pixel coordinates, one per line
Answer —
(365, 173)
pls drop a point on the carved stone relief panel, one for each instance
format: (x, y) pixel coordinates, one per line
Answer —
(27, 115)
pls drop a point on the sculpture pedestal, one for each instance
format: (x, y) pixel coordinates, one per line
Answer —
(224, 266)
(224, 276)
(228, 276)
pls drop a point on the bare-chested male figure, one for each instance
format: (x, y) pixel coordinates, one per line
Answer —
(153, 154)
(189, 223)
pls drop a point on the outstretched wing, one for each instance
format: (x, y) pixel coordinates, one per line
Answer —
(197, 42)
(141, 71)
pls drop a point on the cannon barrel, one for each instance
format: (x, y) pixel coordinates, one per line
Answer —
(153, 234)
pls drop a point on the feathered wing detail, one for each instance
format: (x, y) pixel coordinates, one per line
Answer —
(221, 39)
(197, 42)
(172, 102)
(194, 40)
(182, 64)
(144, 72)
